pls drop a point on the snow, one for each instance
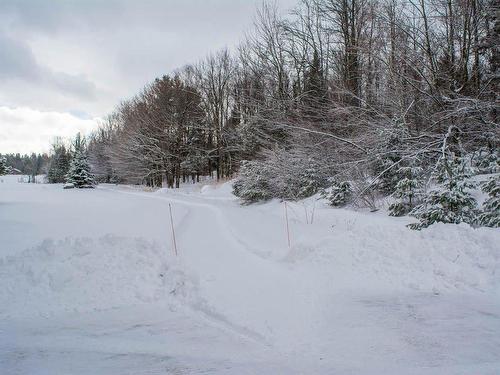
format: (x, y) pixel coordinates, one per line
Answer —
(90, 284)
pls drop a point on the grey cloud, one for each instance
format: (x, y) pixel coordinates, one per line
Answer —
(17, 62)
(118, 44)
(77, 85)
(53, 16)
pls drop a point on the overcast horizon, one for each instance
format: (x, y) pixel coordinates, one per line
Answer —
(64, 65)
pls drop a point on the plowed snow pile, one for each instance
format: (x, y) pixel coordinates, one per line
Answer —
(87, 274)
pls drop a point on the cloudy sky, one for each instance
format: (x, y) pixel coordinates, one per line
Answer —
(66, 63)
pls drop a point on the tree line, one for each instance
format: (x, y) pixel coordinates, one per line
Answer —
(27, 164)
(67, 163)
(337, 86)
(348, 97)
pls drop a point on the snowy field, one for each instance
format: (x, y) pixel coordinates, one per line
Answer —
(90, 285)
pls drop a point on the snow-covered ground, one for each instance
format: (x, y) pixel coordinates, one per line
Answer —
(90, 285)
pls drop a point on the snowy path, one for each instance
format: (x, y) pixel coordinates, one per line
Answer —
(112, 299)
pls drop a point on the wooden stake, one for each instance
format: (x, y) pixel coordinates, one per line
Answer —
(287, 226)
(313, 210)
(172, 226)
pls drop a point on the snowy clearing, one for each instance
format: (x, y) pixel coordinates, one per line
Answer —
(90, 285)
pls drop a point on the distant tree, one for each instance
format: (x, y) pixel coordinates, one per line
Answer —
(59, 165)
(3, 166)
(98, 148)
(36, 165)
(28, 164)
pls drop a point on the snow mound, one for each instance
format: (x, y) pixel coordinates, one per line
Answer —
(224, 190)
(443, 258)
(82, 274)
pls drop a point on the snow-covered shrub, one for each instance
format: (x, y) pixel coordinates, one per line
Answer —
(282, 174)
(450, 202)
(252, 184)
(338, 194)
(408, 189)
(364, 189)
(490, 216)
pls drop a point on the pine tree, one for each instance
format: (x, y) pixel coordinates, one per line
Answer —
(3, 166)
(315, 89)
(79, 170)
(59, 165)
(338, 194)
(309, 181)
(407, 190)
(488, 161)
(390, 158)
(451, 203)
(490, 216)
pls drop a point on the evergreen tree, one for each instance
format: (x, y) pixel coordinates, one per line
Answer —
(390, 158)
(36, 165)
(3, 166)
(79, 170)
(407, 190)
(338, 194)
(309, 181)
(315, 90)
(490, 216)
(488, 161)
(59, 165)
(451, 202)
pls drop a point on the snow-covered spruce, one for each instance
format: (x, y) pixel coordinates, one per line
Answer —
(487, 161)
(408, 190)
(390, 154)
(338, 194)
(490, 216)
(79, 174)
(59, 165)
(451, 202)
(3, 166)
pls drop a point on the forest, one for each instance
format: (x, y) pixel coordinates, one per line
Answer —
(354, 99)
(31, 165)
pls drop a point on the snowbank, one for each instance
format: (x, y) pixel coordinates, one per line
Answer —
(83, 274)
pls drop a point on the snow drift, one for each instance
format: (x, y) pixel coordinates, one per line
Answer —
(84, 274)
